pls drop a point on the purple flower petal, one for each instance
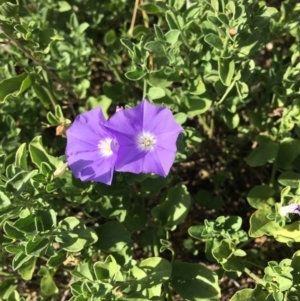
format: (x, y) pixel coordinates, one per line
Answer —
(147, 137)
(292, 208)
(91, 149)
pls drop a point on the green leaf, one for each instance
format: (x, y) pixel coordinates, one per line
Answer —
(25, 223)
(151, 271)
(159, 33)
(171, 20)
(288, 150)
(42, 93)
(47, 37)
(9, 9)
(172, 36)
(12, 231)
(214, 41)
(83, 27)
(136, 74)
(74, 235)
(223, 253)
(260, 225)
(45, 220)
(159, 79)
(39, 155)
(226, 70)
(19, 182)
(7, 287)
(21, 155)
(296, 273)
(289, 178)
(57, 259)
(27, 269)
(63, 6)
(194, 282)
(242, 89)
(250, 294)
(48, 286)
(36, 246)
(156, 47)
(265, 152)
(4, 200)
(156, 93)
(129, 45)
(20, 259)
(112, 237)
(107, 270)
(196, 105)
(261, 197)
(110, 37)
(15, 86)
(180, 118)
(174, 208)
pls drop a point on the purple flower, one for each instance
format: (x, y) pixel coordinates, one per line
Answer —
(147, 137)
(292, 208)
(91, 149)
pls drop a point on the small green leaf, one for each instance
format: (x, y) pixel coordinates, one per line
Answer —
(171, 20)
(174, 209)
(57, 259)
(39, 155)
(48, 286)
(261, 197)
(20, 259)
(151, 271)
(226, 70)
(156, 93)
(289, 178)
(156, 47)
(27, 269)
(180, 118)
(193, 281)
(159, 33)
(47, 37)
(107, 270)
(136, 74)
(63, 6)
(250, 294)
(196, 105)
(112, 237)
(214, 41)
(110, 37)
(36, 246)
(21, 155)
(265, 152)
(9, 10)
(15, 86)
(42, 93)
(172, 36)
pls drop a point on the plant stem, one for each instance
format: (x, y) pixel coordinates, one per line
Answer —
(156, 254)
(273, 173)
(144, 89)
(14, 42)
(254, 277)
(227, 92)
(204, 124)
(136, 5)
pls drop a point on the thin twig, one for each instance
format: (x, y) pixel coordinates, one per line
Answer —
(136, 5)
(14, 42)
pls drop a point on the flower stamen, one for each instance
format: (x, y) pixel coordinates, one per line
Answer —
(105, 147)
(146, 141)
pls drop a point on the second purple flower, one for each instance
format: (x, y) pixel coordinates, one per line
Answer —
(146, 136)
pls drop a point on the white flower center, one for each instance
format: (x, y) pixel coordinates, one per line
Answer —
(105, 147)
(146, 141)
